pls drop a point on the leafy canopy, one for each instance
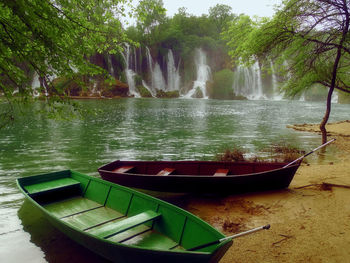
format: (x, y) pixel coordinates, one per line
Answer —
(54, 38)
(303, 39)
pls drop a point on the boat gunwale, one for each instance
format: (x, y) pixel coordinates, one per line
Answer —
(187, 214)
(100, 169)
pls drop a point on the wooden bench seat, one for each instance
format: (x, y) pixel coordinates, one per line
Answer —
(221, 172)
(166, 171)
(123, 169)
(115, 228)
(52, 185)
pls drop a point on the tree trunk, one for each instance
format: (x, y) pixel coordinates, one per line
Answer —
(326, 116)
(329, 97)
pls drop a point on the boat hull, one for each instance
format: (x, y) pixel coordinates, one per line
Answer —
(93, 194)
(249, 177)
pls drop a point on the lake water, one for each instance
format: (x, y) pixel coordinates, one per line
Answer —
(133, 129)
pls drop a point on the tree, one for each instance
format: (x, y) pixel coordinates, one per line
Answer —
(149, 14)
(310, 41)
(221, 15)
(54, 38)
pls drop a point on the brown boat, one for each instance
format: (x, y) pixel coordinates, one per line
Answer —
(199, 176)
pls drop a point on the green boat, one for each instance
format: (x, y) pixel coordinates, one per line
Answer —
(121, 224)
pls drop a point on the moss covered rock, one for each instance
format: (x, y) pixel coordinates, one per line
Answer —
(167, 94)
(145, 93)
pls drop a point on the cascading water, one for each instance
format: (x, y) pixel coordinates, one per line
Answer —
(173, 73)
(276, 93)
(203, 74)
(158, 82)
(109, 65)
(157, 78)
(130, 74)
(248, 82)
(36, 85)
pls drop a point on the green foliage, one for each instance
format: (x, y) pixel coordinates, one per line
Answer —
(344, 98)
(316, 93)
(221, 88)
(221, 15)
(167, 94)
(302, 39)
(54, 38)
(149, 14)
(275, 153)
(198, 93)
(144, 92)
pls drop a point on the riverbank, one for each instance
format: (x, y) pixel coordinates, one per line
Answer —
(310, 221)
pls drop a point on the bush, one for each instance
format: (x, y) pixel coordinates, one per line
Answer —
(276, 153)
(221, 87)
(234, 155)
(198, 94)
(144, 92)
(168, 94)
(343, 98)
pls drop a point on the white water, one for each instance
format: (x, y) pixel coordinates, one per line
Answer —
(248, 82)
(335, 97)
(173, 73)
(277, 95)
(130, 74)
(158, 82)
(109, 65)
(36, 85)
(203, 74)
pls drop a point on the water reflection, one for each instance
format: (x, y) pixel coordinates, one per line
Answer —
(144, 129)
(54, 244)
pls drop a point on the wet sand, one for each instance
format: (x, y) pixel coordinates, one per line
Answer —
(310, 221)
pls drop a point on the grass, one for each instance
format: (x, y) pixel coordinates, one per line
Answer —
(275, 153)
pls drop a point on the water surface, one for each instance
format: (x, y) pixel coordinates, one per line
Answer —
(131, 129)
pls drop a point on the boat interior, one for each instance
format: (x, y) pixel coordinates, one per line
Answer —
(117, 214)
(192, 168)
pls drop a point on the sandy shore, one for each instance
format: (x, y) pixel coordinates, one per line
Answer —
(310, 221)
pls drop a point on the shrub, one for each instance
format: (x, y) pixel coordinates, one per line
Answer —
(221, 87)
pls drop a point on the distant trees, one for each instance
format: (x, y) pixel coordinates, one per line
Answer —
(149, 14)
(221, 15)
(310, 41)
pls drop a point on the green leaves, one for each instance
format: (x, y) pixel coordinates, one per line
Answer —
(304, 34)
(52, 37)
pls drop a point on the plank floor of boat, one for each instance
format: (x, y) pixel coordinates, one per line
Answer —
(71, 206)
(91, 216)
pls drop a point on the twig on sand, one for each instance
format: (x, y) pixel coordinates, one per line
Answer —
(308, 185)
(283, 239)
(336, 185)
(324, 186)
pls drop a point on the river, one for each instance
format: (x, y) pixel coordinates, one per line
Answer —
(131, 129)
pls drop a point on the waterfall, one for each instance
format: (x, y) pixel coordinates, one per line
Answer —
(109, 65)
(335, 97)
(276, 93)
(150, 70)
(248, 82)
(130, 74)
(149, 89)
(158, 82)
(157, 78)
(259, 91)
(35, 85)
(203, 74)
(173, 73)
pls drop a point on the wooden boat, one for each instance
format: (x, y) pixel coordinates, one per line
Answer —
(199, 176)
(119, 223)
